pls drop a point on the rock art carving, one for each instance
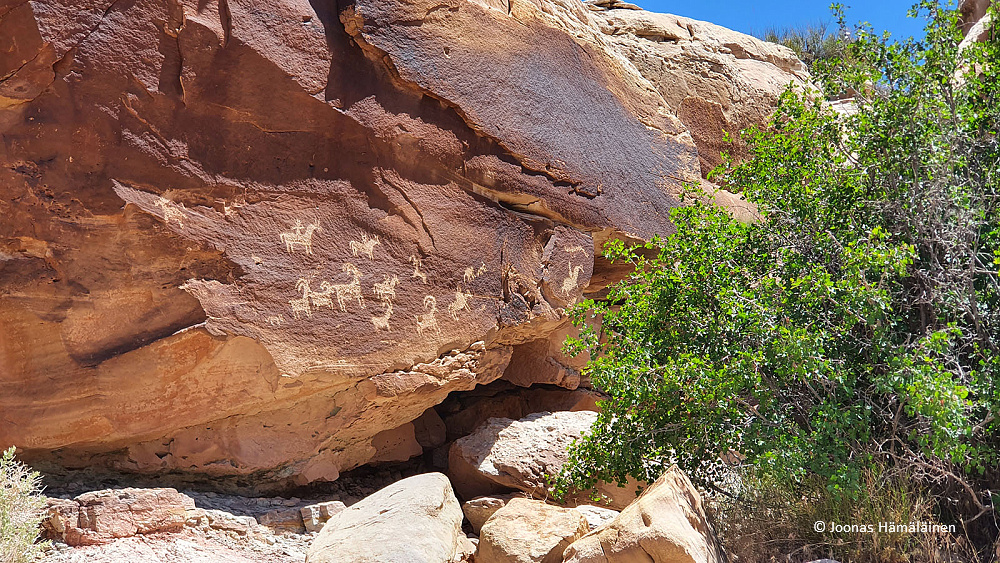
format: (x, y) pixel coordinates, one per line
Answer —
(300, 306)
(428, 319)
(171, 211)
(417, 262)
(366, 246)
(576, 250)
(386, 290)
(471, 274)
(299, 235)
(350, 290)
(460, 302)
(382, 323)
(275, 320)
(570, 283)
(320, 298)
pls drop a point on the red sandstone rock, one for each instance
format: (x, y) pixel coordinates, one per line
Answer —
(263, 240)
(102, 516)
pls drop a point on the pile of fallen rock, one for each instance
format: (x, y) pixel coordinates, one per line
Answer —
(500, 471)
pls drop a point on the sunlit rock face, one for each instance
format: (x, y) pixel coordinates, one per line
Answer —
(260, 240)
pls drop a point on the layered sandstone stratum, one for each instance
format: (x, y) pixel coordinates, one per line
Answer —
(260, 240)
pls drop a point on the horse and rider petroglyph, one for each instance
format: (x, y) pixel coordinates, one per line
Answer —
(386, 290)
(460, 302)
(365, 247)
(300, 235)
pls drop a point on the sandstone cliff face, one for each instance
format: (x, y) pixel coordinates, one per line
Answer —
(261, 239)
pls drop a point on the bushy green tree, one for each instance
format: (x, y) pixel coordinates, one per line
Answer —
(21, 510)
(855, 324)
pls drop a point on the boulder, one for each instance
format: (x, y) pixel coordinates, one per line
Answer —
(101, 517)
(596, 516)
(505, 454)
(666, 524)
(315, 515)
(479, 509)
(529, 531)
(415, 520)
(284, 520)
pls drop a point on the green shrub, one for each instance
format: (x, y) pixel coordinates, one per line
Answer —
(811, 42)
(21, 510)
(856, 325)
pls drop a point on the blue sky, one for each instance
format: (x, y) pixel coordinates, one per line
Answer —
(753, 15)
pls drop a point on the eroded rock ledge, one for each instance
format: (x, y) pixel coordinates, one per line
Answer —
(262, 240)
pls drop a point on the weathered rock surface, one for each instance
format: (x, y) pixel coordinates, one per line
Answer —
(103, 516)
(505, 454)
(529, 531)
(479, 509)
(596, 516)
(666, 524)
(315, 516)
(416, 520)
(714, 79)
(245, 240)
(161, 525)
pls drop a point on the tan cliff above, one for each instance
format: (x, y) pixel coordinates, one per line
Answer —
(245, 239)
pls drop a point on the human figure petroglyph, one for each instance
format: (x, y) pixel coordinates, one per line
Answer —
(382, 323)
(386, 290)
(460, 302)
(350, 290)
(417, 263)
(171, 211)
(570, 283)
(366, 246)
(428, 320)
(300, 235)
(300, 306)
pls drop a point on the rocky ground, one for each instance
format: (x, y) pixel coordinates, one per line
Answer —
(499, 471)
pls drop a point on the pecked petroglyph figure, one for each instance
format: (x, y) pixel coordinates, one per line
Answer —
(300, 235)
(471, 274)
(366, 246)
(571, 283)
(382, 323)
(300, 306)
(386, 290)
(576, 250)
(428, 320)
(320, 298)
(171, 211)
(275, 320)
(460, 302)
(417, 263)
(349, 290)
